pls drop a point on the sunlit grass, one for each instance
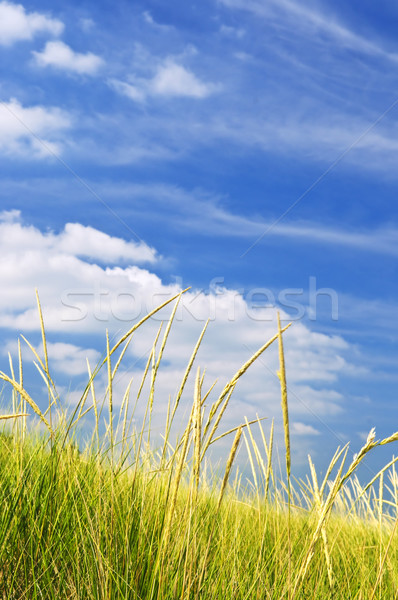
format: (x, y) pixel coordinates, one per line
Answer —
(121, 518)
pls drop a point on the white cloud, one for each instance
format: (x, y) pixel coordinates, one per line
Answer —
(303, 429)
(59, 55)
(10, 216)
(82, 297)
(170, 80)
(16, 24)
(75, 240)
(317, 401)
(89, 242)
(64, 358)
(71, 359)
(32, 131)
(175, 80)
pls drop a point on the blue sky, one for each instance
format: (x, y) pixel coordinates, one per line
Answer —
(241, 147)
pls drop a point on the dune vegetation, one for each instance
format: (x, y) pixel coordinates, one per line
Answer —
(124, 518)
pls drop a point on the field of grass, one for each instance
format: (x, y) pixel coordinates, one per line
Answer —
(119, 520)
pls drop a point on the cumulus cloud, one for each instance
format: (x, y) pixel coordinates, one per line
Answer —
(89, 242)
(59, 55)
(74, 240)
(66, 358)
(81, 297)
(303, 429)
(16, 24)
(71, 359)
(32, 130)
(170, 80)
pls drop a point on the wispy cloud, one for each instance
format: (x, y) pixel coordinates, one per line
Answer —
(148, 18)
(309, 20)
(209, 215)
(86, 24)
(16, 24)
(205, 214)
(383, 240)
(314, 130)
(234, 32)
(59, 55)
(308, 93)
(133, 92)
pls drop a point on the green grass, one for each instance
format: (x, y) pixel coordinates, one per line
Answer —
(119, 520)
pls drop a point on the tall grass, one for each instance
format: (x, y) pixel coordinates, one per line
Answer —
(124, 518)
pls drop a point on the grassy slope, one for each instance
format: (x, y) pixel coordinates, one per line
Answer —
(70, 528)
